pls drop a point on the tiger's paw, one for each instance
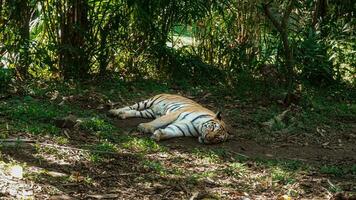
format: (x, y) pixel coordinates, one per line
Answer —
(120, 112)
(157, 135)
(117, 113)
(145, 128)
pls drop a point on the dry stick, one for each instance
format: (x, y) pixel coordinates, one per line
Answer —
(17, 140)
(27, 141)
(194, 195)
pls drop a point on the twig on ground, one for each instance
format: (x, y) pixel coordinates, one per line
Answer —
(28, 141)
(194, 195)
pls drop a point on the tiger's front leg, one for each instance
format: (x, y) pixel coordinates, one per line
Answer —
(123, 114)
(163, 121)
(130, 111)
(177, 129)
(118, 112)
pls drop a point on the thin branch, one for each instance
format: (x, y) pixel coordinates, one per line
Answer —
(273, 18)
(29, 141)
(287, 13)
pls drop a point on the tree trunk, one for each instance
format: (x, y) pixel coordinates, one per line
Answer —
(22, 21)
(74, 60)
(282, 27)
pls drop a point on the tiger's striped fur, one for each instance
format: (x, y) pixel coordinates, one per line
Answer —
(176, 116)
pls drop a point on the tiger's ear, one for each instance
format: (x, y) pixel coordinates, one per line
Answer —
(218, 115)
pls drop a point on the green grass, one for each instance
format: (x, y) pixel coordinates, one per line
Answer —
(35, 116)
(101, 127)
(289, 165)
(155, 166)
(101, 151)
(236, 169)
(215, 155)
(338, 171)
(283, 176)
(142, 145)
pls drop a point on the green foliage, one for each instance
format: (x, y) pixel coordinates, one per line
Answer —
(101, 151)
(31, 115)
(155, 166)
(215, 155)
(144, 145)
(236, 169)
(338, 171)
(284, 165)
(180, 42)
(314, 61)
(96, 124)
(5, 78)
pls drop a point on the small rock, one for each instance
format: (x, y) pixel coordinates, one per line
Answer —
(16, 171)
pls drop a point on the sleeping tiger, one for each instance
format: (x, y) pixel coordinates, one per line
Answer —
(176, 116)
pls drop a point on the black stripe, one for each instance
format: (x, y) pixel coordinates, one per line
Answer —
(210, 120)
(173, 107)
(202, 139)
(140, 114)
(145, 114)
(160, 101)
(169, 106)
(138, 106)
(170, 128)
(151, 113)
(200, 116)
(179, 129)
(186, 116)
(145, 106)
(152, 102)
(196, 130)
(190, 132)
(131, 107)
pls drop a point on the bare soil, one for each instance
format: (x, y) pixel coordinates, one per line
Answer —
(55, 171)
(287, 148)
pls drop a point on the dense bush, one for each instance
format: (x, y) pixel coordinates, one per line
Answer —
(198, 41)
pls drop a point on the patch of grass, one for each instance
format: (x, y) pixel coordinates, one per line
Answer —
(101, 128)
(155, 166)
(26, 114)
(282, 176)
(196, 177)
(236, 169)
(49, 150)
(143, 145)
(99, 151)
(338, 171)
(29, 109)
(44, 175)
(61, 140)
(290, 165)
(36, 129)
(327, 106)
(334, 170)
(213, 156)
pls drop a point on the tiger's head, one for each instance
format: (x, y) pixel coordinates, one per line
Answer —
(214, 131)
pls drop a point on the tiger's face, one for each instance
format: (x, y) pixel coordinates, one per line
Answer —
(213, 132)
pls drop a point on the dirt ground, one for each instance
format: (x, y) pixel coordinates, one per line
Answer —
(59, 171)
(285, 148)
